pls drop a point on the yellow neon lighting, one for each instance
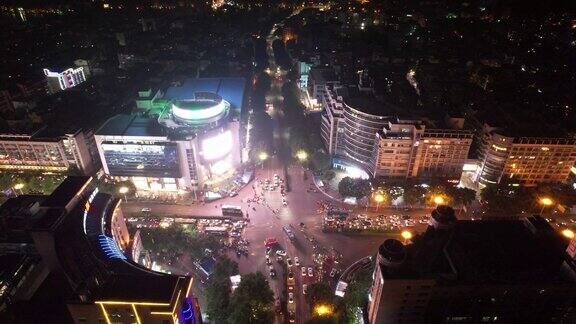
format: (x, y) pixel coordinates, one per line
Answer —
(189, 287)
(113, 302)
(176, 303)
(136, 314)
(105, 313)
(161, 313)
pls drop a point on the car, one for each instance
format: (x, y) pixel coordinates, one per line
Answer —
(291, 317)
(310, 272)
(268, 249)
(284, 203)
(296, 261)
(270, 267)
(304, 289)
(289, 262)
(146, 210)
(333, 272)
(272, 273)
(290, 298)
(281, 252)
(279, 258)
(303, 271)
(290, 282)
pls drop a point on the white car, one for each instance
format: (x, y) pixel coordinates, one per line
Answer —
(284, 203)
(310, 272)
(333, 272)
(289, 262)
(296, 261)
(304, 288)
(281, 252)
(290, 298)
(303, 271)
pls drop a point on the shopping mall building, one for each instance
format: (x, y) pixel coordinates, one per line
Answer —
(187, 137)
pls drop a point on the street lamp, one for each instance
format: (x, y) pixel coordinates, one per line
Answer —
(124, 190)
(19, 186)
(323, 310)
(378, 198)
(545, 202)
(302, 155)
(568, 233)
(439, 200)
(263, 156)
(406, 235)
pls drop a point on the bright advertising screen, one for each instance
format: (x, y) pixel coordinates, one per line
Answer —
(217, 146)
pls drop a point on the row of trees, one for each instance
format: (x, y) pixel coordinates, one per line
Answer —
(175, 240)
(505, 199)
(251, 302)
(30, 182)
(413, 194)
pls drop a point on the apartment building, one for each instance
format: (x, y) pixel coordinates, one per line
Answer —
(524, 160)
(47, 151)
(407, 149)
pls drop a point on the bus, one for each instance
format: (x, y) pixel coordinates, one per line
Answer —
(232, 211)
(289, 232)
(216, 230)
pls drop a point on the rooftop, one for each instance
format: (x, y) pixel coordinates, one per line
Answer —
(65, 192)
(366, 102)
(131, 125)
(486, 251)
(230, 89)
(153, 288)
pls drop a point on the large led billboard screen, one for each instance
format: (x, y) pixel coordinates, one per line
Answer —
(143, 160)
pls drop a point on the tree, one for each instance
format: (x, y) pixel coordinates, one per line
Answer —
(320, 161)
(464, 195)
(345, 186)
(252, 301)
(414, 195)
(218, 289)
(357, 294)
(319, 293)
(328, 175)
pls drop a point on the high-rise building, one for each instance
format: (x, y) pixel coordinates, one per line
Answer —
(78, 256)
(524, 160)
(58, 81)
(365, 131)
(506, 271)
(407, 149)
(49, 151)
(193, 143)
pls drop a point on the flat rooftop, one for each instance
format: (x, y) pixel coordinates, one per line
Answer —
(487, 251)
(502, 251)
(367, 103)
(131, 125)
(65, 192)
(230, 89)
(157, 288)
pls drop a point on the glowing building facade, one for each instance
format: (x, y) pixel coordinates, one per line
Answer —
(80, 237)
(44, 151)
(194, 141)
(524, 160)
(69, 78)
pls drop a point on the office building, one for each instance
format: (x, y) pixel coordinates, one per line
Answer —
(524, 160)
(193, 143)
(78, 240)
(407, 149)
(69, 78)
(49, 151)
(504, 271)
(367, 133)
